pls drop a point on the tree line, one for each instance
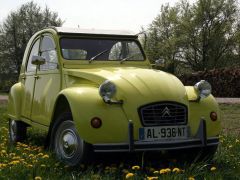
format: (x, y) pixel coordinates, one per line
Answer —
(195, 37)
(189, 36)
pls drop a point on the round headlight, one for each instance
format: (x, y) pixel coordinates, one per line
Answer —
(204, 88)
(107, 89)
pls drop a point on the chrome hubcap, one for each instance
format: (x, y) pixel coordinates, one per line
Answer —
(68, 143)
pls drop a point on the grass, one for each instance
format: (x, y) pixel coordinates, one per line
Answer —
(31, 161)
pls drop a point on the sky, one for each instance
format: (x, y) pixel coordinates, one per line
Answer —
(97, 14)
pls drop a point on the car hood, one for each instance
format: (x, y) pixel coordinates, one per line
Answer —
(133, 84)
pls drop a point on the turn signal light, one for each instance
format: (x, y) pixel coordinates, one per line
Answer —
(213, 116)
(96, 122)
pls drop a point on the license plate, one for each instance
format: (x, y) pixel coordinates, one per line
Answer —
(163, 133)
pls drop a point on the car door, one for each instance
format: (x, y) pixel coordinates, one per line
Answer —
(28, 81)
(47, 83)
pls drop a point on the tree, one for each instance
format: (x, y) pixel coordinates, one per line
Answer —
(162, 41)
(199, 36)
(18, 28)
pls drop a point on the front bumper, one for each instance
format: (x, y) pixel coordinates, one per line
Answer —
(199, 141)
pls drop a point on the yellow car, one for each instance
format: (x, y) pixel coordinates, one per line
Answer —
(95, 91)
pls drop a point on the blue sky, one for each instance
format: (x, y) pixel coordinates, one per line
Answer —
(98, 14)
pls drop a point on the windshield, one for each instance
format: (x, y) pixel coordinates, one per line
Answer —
(100, 49)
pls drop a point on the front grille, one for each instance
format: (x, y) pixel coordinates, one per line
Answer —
(163, 114)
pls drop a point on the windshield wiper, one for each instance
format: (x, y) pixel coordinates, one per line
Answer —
(128, 57)
(97, 55)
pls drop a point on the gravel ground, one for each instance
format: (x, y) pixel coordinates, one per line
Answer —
(4, 99)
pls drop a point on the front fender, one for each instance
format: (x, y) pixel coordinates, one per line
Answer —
(201, 110)
(14, 101)
(85, 104)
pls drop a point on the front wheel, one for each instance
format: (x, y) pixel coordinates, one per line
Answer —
(68, 146)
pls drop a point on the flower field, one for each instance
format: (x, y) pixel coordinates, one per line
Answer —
(29, 160)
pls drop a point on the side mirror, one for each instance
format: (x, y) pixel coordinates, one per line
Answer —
(38, 60)
(160, 63)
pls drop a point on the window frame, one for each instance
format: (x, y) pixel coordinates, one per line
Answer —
(104, 38)
(29, 53)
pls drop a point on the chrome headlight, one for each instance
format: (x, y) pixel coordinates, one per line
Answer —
(107, 89)
(204, 88)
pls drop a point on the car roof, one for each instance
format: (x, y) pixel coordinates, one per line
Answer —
(65, 30)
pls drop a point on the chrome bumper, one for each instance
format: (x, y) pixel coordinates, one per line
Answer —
(199, 141)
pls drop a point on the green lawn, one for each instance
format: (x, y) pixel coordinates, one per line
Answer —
(31, 161)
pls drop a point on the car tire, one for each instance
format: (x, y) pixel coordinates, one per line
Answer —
(68, 146)
(17, 131)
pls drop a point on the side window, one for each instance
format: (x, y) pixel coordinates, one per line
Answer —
(34, 52)
(48, 51)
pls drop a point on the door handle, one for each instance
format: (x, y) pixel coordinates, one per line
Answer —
(36, 77)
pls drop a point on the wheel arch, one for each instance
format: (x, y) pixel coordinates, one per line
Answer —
(61, 105)
(14, 101)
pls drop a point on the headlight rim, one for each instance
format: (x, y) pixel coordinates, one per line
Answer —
(202, 92)
(108, 95)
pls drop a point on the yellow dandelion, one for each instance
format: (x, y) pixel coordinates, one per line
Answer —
(14, 162)
(38, 178)
(152, 178)
(213, 168)
(16, 157)
(129, 175)
(168, 170)
(3, 152)
(162, 171)
(135, 167)
(31, 155)
(45, 156)
(155, 172)
(40, 154)
(176, 170)
(191, 178)
(3, 165)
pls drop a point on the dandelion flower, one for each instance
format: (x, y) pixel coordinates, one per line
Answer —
(38, 178)
(45, 156)
(168, 170)
(155, 172)
(162, 171)
(135, 167)
(191, 178)
(213, 168)
(176, 170)
(14, 162)
(129, 175)
(3, 165)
